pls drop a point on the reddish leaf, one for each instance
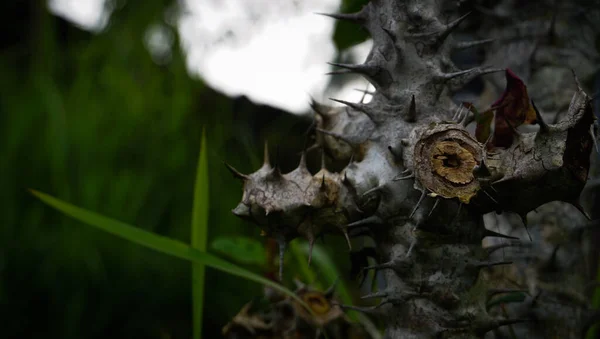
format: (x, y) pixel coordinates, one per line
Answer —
(512, 110)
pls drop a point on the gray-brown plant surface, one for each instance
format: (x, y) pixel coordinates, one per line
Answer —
(419, 182)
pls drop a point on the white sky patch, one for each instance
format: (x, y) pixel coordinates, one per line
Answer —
(90, 15)
(351, 89)
(274, 52)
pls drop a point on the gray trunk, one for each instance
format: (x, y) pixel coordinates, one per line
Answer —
(419, 183)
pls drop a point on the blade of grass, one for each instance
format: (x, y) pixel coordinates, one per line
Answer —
(159, 243)
(199, 230)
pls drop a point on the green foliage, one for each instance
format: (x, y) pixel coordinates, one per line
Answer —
(199, 235)
(156, 242)
(347, 34)
(244, 250)
(92, 119)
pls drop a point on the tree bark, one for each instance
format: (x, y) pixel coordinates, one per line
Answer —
(419, 183)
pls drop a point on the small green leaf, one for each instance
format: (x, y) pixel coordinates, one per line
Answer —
(159, 243)
(244, 250)
(199, 235)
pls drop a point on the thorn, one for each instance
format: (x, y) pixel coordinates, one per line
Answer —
(339, 72)
(406, 171)
(311, 148)
(335, 135)
(467, 119)
(576, 80)
(448, 76)
(364, 91)
(503, 180)
(544, 128)
(359, 107)
(371, 220)
(346, 181)
(374, 189)
(374, 295)
(476, 71)
(410, 176)
(594, 138)
(387, 265)
(469, 44)
(481, 171)
(418, 204)
(456, 117)
(236, 173)
(524, 219)
(457, 214)
(367, 70)
(356, 106)
(360, 232)
(489, 233)
(493, 291)
(492, 263)
(578, 206)
(323, 187)
(282, 245)
(549, 264)
(275, 173)
(266, 161)
(441, 36)
(318, 108)
(347, 238)
(391, 34)
(396, 156)
(452, 26)
(413, 243)
(357, 18)
(329, 292)
(437, 201)
(302, 163)
(411, 115)
(241, 210)
(491, 249)
(535, 299)
(489, 196)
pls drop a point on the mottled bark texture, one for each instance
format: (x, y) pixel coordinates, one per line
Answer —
(419, 184)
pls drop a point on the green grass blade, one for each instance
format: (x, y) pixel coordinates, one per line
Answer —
(158, 243)
(199, 229)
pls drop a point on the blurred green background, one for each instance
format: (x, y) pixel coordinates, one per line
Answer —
(93, 120)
